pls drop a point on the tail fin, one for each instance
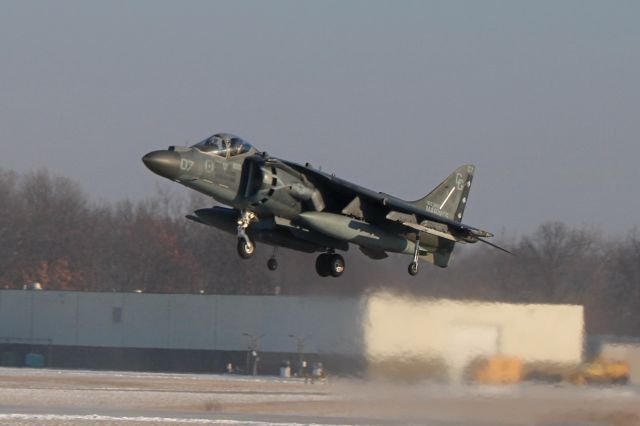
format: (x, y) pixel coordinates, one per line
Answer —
(450, 197)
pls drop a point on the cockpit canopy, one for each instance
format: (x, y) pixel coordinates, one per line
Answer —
(224, 145)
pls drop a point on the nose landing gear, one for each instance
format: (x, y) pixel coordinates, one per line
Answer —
(330, 264)
(246, 247)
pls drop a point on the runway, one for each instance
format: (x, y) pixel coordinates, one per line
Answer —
(57, 397)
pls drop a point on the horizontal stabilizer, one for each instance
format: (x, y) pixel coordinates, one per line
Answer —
(409, 221)
(431, 231)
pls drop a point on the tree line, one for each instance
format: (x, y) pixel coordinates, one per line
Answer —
(52, 233)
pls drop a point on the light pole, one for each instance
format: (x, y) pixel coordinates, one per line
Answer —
(252, 353)
(300, 349)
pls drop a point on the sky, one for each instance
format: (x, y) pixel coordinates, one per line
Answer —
(543, 97)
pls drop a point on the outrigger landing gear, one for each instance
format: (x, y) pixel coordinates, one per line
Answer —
(272, 263)
(413, 266)
(330, 263)
(246, 247)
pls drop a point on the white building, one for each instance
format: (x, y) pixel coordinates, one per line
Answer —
(453, 333)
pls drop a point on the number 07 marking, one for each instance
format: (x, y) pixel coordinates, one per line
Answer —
(186, 165)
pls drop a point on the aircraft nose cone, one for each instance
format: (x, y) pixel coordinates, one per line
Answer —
(163, 163)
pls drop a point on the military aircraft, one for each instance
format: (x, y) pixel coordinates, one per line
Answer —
(285, 204)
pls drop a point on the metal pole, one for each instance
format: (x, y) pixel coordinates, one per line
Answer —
(252, 353)
(300, 349)
(255, 362)
(249, 350)
(300, 357)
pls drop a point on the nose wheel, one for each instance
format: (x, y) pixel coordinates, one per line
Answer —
(330, 264)
(246, 248)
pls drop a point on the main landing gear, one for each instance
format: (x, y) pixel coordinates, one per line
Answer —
(330, 263)
(246, 247)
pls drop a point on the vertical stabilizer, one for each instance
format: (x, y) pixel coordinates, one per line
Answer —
(450, 197)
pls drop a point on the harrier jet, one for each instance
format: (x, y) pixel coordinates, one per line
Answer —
(285, 204)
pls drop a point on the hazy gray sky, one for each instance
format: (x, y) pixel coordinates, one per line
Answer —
(544, 97)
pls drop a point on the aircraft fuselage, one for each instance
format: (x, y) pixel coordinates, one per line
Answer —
(286, 204)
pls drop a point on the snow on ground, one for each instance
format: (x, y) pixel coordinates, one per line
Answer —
(35, 372)
(56, 397)
(49, 419)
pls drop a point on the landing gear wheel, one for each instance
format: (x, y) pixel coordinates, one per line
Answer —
(336, 265)
(322, 265)
(413, 268)
(272, 264)
(246, 248)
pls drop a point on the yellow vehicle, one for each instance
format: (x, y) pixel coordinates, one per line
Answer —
(602, 371)
(497, 369)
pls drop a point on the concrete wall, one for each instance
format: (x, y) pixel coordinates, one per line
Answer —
(198, 322)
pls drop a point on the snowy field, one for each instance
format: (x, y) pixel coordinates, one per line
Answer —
(60, 397)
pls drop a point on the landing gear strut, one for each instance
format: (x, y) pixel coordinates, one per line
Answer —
(330, 264)
(413, 266)
(246, 247)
